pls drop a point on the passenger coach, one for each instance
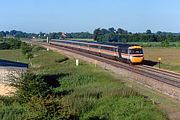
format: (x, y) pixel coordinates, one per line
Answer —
(123, 52)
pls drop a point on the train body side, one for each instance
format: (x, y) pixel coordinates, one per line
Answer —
(119, 52)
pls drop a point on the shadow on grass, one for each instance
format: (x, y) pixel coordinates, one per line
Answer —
(150, 62)
(53, 80)
(61, 60)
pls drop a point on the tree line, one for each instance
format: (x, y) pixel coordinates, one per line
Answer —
(121, 35)
(101, 35)
(41, 35)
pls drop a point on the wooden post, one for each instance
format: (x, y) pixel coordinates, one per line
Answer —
(159, 61)
(95, 63)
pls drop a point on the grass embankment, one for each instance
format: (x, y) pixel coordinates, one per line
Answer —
(83, 92)
(13, 55)
(170, 57)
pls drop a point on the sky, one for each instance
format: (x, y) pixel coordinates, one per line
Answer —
(87, 15)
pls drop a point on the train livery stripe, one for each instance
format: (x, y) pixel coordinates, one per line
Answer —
(112, 53)
(109, 52)
(126, 56)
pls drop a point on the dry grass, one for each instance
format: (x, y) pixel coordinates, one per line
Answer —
(170, 57)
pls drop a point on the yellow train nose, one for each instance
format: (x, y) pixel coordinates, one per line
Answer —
(137, 59)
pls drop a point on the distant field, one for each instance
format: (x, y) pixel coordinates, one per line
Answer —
(155, 44)
(170, 57)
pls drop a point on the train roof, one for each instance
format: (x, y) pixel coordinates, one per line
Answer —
(103, 43)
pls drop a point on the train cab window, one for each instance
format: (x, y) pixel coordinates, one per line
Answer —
(135, 51)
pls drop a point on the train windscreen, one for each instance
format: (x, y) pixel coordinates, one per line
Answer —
(136, 51)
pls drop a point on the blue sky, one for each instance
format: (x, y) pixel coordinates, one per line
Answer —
(86, 15)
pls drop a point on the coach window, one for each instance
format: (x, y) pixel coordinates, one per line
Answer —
(93, 46)
(124, 51)
(104, 48)
(113, 49)
(85, 45)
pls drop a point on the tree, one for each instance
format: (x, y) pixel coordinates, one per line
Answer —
(104, 31)
(2, 34)
(159, 33)
(26, 48)
(121, 31)
(97, 32)
(112, 30)
(148, 31)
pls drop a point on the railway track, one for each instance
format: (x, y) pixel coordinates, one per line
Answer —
(161, 71)
(170, 78)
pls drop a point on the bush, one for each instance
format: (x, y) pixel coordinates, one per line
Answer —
(14, 43)
(30, 85)
(165, 43)
(47, 108)
(26, 48)
(35, 94)
(4, 46)
(9, 43)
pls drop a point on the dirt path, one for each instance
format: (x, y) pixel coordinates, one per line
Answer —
(6, 90)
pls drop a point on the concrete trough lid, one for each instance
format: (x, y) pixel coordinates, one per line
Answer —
(6, 64)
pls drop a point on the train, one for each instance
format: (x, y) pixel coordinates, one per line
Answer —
(129, 53)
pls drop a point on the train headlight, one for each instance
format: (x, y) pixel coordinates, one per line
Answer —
(131, 57)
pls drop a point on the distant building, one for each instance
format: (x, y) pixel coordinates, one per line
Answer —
(63, 35)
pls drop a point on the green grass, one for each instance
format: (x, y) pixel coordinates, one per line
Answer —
(88, 92)
(13, 55)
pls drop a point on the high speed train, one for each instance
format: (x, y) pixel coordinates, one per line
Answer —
(130, 53)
